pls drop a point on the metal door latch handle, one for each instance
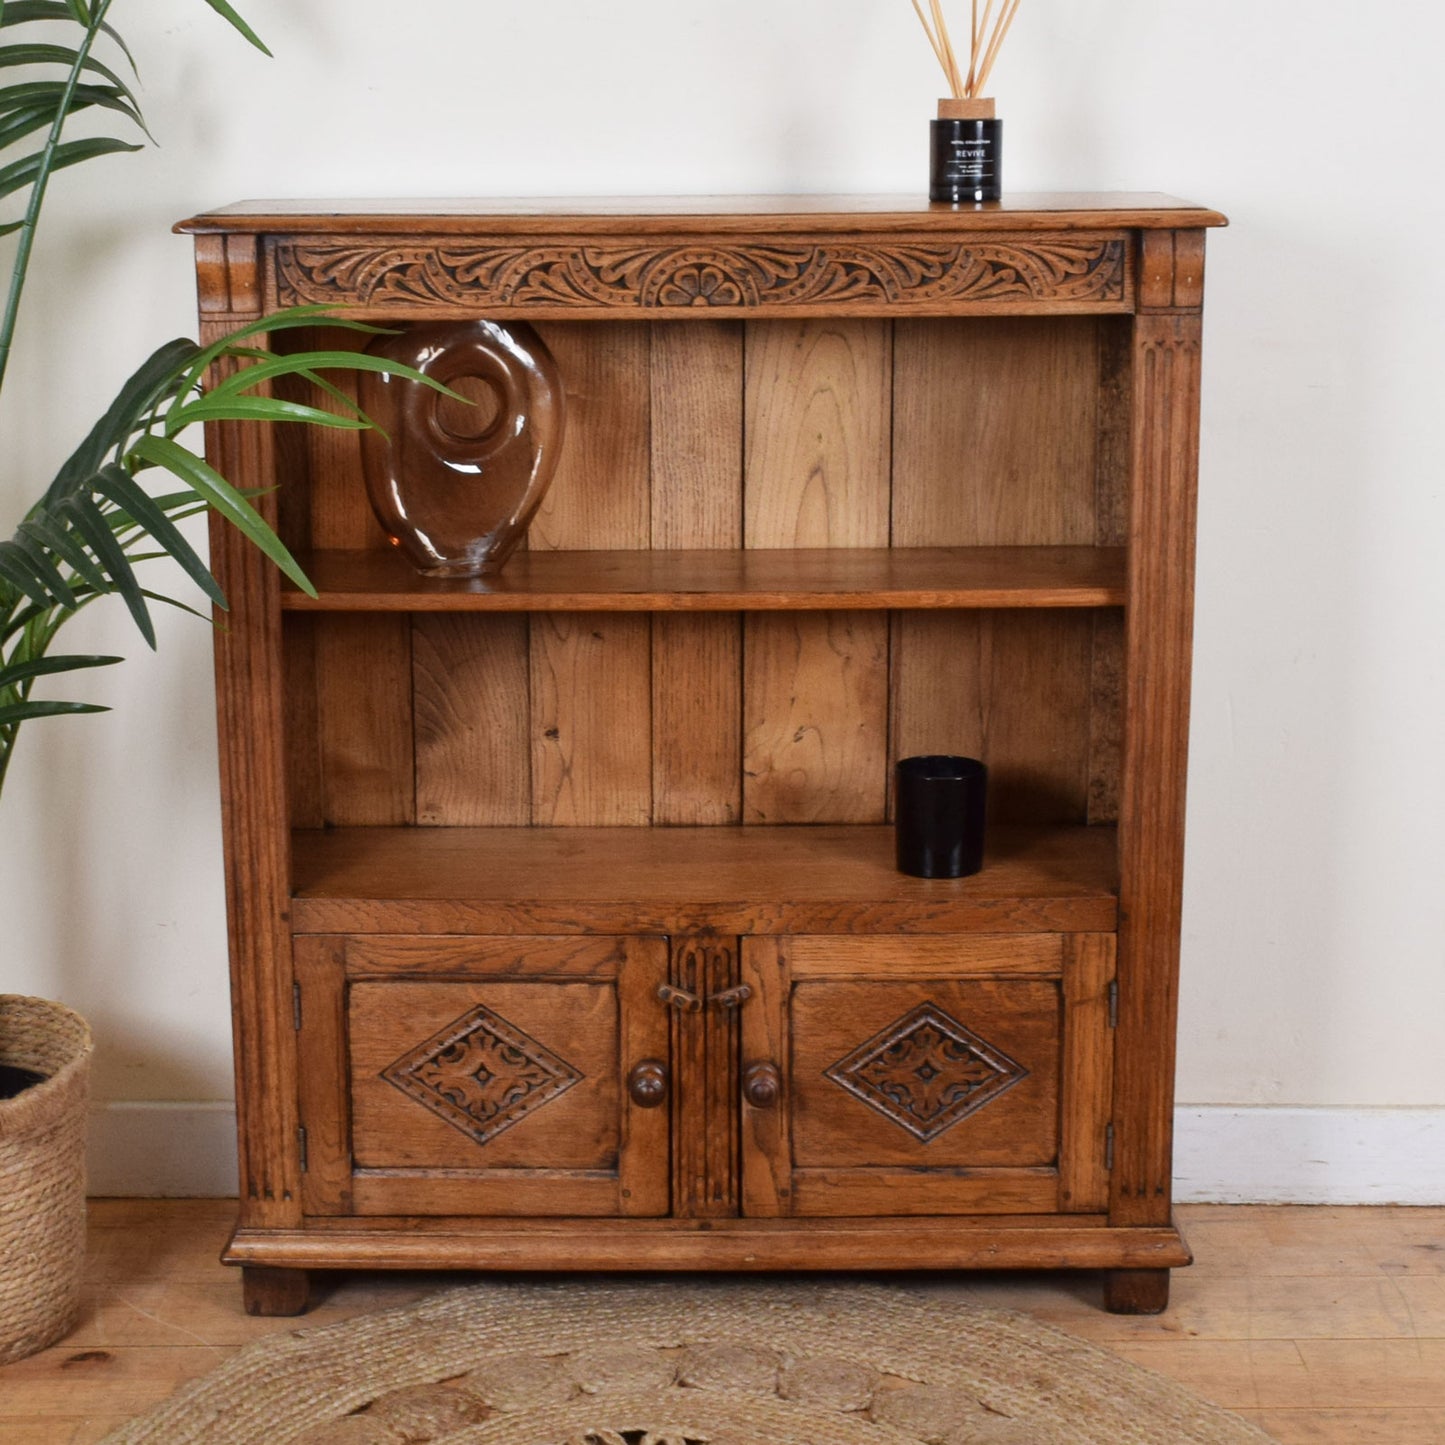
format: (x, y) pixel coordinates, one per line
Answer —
(732, 997)
(679, 998)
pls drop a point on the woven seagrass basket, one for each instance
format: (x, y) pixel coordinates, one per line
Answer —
(42, 1174)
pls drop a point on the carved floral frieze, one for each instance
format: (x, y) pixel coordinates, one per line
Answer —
(740, 277)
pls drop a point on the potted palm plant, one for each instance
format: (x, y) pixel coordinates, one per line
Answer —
(115, 504)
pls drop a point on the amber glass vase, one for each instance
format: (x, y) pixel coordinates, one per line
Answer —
(454, 484)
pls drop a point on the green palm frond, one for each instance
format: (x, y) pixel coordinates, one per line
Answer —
(97, 521)
(100, 519)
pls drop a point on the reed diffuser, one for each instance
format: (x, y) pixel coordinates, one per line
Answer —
(967, 156)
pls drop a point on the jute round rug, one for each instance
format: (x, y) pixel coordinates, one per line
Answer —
(697, 1363)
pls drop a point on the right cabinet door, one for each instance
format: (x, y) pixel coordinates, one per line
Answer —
(926, 1075)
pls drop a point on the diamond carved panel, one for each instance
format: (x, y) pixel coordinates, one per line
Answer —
(482, 1074)
(926, 1072)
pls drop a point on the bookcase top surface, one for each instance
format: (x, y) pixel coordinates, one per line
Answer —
(814, 214)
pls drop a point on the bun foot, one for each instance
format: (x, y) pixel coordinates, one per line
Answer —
(1136, 1291)
(274, 1291)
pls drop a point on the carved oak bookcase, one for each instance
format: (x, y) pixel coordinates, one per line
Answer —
(564, 928)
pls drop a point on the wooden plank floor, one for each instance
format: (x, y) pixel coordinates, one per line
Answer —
(1322, 1325)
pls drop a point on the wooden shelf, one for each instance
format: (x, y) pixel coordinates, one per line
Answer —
(774, 580)
(732, 879)
(767, 215)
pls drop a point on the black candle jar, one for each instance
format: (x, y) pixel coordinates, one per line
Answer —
(939, 813)
(967, 153)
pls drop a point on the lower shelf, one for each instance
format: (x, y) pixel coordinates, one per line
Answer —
(967, 1242)
(732, 879)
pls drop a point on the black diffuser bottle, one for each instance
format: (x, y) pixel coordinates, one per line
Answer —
(967, 153)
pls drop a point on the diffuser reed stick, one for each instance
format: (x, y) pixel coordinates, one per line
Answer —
(986, 35)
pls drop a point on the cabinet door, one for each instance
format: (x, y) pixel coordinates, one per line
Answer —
(483, 1076)
(926, 1075)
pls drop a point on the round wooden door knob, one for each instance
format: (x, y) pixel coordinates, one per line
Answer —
(647, 1084)
(762, 1085)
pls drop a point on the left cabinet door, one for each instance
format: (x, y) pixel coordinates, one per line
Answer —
(483, 1076)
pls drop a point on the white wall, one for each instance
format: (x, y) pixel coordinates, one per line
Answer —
(1315, 911)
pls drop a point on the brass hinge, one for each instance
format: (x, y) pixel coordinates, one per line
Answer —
(1114, 1004)
(1108, 1146)
(296, 1007)
(301, 1145)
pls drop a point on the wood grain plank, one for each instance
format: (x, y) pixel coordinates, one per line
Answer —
(591, 675)
(643, 1182)
(250, 692)
(994, 1241)
(697, 439)
(1115, 422)
(818, 437)
(364, 701)
(697, 434)
(767, 1148)
(834, 880)
(1106, 717)
(1380, 1426)
(474, 957)
(1272, 1374)
(1164, 482)
(705, 1055)
(742, 215)
(718, 580)
(1012, 688)
(329, 458)
(591, 691)
(302, 723)
(1038, 955)
(995, 433)
(473, 720)
(692, 1139)
(324, 1098)
(1111, 500)
(996, 443)
(696, 719)
(833, 1193)
(1088, 1091)
(601, 492)
(815, 718)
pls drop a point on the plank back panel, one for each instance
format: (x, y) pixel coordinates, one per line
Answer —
(591, 734)
(364, 719)
(995, 432)
(697, 474)
(997, 442)
(696, 719)
(815, 717)
(473, 720)
(817, 434)
(1012, 688)
(300, 717)
(816, 474)
(600, 493)
(590, 674)
(697, 435)
(715, 434)
(329, 508)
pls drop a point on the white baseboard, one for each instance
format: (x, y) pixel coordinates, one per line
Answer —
(1308, 1156)
(162, 1151)
(1221, 1156)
